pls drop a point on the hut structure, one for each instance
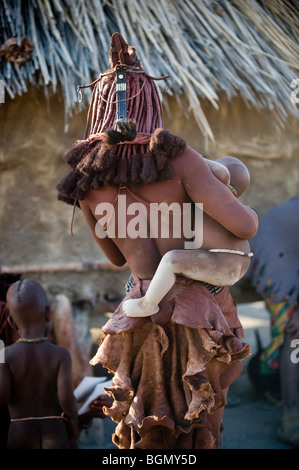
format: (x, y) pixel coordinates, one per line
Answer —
(233, 90)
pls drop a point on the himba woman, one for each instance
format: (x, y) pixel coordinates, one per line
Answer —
(171, 370)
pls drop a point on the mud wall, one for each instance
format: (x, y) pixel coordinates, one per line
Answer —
(271, 154)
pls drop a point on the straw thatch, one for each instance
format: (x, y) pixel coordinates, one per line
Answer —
(209, 48)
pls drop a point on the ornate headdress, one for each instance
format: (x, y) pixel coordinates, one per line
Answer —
(124, 143)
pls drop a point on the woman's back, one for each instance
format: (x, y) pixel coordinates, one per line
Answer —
(146, 223)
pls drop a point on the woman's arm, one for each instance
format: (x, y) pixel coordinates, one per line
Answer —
(218, 201)
(106, 244)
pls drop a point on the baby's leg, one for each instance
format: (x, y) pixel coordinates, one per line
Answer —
(161, 283)
(220, 269)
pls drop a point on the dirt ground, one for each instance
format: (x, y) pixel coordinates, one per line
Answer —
(250, 420)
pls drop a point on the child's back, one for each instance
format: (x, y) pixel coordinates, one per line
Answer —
(36, 383)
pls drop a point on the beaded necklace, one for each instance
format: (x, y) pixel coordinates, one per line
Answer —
(33, 340)
(233, 190)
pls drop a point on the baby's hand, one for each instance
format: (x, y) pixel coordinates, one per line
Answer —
(139, 308)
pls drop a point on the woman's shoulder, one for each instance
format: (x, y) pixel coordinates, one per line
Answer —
(188, 158)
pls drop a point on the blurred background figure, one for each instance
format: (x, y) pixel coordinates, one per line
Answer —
(8, 335)
(275, 275)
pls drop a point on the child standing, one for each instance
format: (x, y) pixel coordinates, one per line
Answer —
(35, 379)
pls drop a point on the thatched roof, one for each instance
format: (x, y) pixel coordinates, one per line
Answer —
(209, 48)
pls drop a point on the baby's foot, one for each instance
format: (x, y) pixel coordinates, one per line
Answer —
(139, 308)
